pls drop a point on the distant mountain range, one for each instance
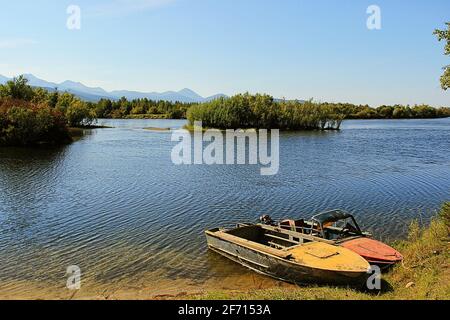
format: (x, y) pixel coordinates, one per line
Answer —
(95, 94)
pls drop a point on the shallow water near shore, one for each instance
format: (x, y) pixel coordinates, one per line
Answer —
(113, 203)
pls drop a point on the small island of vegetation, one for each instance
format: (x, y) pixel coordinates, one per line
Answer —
(261, 111)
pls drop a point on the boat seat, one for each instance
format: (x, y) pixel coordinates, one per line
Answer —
(281, 239)
(293, 225)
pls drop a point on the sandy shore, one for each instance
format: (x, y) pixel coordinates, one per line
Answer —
(148, 290)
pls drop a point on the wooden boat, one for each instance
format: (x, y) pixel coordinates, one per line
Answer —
(279, 255)
(342, 229)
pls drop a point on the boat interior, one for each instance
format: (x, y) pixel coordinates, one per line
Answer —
(332, 231)
(271, 238)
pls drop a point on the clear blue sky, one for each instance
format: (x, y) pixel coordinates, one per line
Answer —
(287, 48)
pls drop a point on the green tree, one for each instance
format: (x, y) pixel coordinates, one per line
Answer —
(23, 123)
(402, 112)
(17, 88)
(40, 96)
(79, 114)
(103, 108)
(138, 109)
(444, 35)
(53, 99)
(65, 100)
(366, 113)
(385, 112)
(424, 111)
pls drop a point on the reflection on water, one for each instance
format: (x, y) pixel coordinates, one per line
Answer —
(115, 205)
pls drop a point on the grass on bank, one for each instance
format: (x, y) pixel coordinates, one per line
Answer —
(424, 273)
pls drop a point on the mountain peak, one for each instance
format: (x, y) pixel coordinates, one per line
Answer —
(187, 90)
(69, 82)
(72, 85)
(190, 94)
(215, 97)
(94, 94)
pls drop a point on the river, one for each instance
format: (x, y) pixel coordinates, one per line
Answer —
(114, 204)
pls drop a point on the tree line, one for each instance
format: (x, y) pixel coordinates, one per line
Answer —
(31, 115)
(397, 111)
(140, 109)
(150, 109)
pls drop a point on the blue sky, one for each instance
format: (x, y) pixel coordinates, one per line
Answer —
(287, 48)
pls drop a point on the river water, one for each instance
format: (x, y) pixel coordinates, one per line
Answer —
(114, 204)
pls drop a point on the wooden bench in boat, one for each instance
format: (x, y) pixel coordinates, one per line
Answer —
(294, 234)
(253, 245)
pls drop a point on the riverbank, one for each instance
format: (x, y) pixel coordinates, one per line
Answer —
(424, 273)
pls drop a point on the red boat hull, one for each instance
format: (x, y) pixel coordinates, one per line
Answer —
(375, 252)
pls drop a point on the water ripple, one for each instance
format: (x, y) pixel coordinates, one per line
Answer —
(114, 204)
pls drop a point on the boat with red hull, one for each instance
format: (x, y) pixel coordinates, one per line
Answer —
(341, 228)
(375, 252)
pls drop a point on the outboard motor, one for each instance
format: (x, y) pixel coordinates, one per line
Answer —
(267, 220)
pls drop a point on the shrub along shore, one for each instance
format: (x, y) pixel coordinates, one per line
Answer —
(34, 116)
(424, 273)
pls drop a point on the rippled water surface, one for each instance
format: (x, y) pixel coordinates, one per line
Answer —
(115, 205)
